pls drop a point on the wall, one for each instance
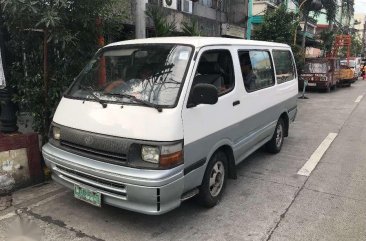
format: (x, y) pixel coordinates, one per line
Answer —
(207, 12)
(238, 12)
(312, 52)
(259, 8)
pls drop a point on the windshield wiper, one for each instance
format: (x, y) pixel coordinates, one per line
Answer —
(131, 97)
(91, 92)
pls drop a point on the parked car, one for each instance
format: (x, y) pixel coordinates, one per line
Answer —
(149, 123)
(320, 73)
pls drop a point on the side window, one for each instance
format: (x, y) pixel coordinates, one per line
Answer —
(256, 69)
(285, 69)
(216, 67)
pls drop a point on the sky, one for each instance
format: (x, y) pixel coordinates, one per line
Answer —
(360, 6)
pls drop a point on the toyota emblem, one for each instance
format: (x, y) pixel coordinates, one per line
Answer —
(88, 140)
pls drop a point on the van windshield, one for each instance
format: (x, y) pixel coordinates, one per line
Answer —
(315, 68)
(151, 73)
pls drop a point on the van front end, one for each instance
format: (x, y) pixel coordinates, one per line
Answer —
(96, 177)
(117, 134)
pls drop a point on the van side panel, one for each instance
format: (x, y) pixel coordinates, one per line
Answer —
(244, 127)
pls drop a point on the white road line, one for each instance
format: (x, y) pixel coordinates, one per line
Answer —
(8, 215)
(317, 155)
(359, 99)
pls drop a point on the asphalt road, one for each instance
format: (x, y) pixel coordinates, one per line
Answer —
(268, 201)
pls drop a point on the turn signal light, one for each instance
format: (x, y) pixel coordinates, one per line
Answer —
(172, 159)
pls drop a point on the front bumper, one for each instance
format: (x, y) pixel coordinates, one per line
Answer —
(145, 191)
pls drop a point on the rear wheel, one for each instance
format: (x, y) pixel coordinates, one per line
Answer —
(275, 144)
(214, 180)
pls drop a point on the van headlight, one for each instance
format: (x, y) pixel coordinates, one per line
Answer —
(165, 156)
(150, 154)
(56, 133)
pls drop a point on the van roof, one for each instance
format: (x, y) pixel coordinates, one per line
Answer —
(199, 41)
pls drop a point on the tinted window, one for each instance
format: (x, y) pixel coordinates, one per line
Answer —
(285, 70)
(216, 67)
(256, 69)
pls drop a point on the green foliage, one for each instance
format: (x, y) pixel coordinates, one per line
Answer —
(278, 26)
(163, 27)
(71, 33)
(330, 7)
(191, 28)
(327, 37)
(356, 47)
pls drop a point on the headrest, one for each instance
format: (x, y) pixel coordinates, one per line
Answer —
(208, 68)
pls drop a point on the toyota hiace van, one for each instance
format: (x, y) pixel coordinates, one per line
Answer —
(149, 123)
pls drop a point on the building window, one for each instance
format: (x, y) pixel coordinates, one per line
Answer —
(206, 3)
(215, 4)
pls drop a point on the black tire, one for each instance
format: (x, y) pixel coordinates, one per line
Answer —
(210, 196)
(275, 144)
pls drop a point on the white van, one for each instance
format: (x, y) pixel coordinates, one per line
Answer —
(149, 123)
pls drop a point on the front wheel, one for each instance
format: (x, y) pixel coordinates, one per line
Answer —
(275, 144)
(214, 180)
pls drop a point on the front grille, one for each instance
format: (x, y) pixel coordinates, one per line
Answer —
(95, 146)
(105, 186)
(91, 151)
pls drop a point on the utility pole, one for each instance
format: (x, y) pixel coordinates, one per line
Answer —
(305, 29)
(140, 20)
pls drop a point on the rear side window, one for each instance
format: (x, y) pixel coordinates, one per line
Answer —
(285, 69)
(256, 68)
(216, 67)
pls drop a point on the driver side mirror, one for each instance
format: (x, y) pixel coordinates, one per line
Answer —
(203, 94)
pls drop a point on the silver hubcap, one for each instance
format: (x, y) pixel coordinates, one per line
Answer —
(217, 178)
(279, 135)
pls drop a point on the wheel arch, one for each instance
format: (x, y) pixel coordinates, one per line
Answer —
(226, 147)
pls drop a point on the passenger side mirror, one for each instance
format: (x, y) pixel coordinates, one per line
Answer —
(203, 94)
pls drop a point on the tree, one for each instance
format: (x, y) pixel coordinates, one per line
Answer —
(327, 37)
(356, 46)
(316, 6)
(48, 42)
(191, 28)
(163, 27)
(277, 26)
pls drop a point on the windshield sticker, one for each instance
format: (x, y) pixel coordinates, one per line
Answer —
(184, 55)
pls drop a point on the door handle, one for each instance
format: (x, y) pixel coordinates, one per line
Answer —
(237, 102)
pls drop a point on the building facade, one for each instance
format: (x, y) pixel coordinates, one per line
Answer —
(258, 8)
(214, 17)
(360, 23)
